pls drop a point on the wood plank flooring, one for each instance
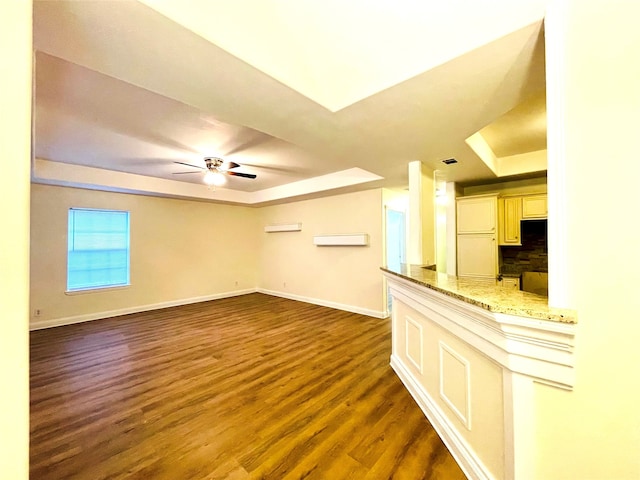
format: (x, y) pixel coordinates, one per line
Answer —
(251, 387)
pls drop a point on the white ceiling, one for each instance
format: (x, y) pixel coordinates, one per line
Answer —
(312, 97)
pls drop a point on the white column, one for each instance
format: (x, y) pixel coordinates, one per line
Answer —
(421, 241)
(557, 185)
(452, 230)
(414, 242)
(440, 187)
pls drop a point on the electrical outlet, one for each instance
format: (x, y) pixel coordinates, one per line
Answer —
(37, 312)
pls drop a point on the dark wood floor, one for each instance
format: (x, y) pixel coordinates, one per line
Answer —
(247, 387)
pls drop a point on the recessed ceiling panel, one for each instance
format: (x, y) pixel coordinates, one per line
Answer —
(88, 118)
(521, 130)
(338, 52)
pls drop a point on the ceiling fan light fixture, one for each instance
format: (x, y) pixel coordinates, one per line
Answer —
(216, 179)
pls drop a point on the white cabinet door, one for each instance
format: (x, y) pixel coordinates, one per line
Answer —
(512, 217)
(509, 216)
(477, 214)
(534, 206)
(477, 255)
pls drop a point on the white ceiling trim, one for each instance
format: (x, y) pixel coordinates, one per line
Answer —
(529, 162)
(480, 146)
(331, 181)
(80, 176)
(518, 164)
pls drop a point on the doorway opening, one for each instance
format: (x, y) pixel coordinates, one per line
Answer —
(396, 243)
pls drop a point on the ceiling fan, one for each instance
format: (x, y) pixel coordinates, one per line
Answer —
(216, 169)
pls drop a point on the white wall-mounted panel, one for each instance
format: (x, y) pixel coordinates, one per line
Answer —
(353, 239)
(283, 227)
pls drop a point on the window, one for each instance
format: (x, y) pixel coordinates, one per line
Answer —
(98, 249)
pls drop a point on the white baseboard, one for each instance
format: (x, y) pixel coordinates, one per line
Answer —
(325, 303)
(469, 462)
(57, 322)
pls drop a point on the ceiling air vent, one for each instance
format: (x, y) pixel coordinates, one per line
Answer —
(449, 161)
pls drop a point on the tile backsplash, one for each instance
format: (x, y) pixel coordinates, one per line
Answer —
(532, 255)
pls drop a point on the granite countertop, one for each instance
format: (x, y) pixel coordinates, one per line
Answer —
(486, 294)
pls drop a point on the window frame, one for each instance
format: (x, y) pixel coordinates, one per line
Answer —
(106, 286)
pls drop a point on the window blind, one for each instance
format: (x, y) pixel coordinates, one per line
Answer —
(98, 249)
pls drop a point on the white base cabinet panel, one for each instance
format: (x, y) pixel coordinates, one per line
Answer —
(477, 256)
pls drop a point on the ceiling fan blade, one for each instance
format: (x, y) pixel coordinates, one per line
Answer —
(244, 175)
(182, 173)
(284, 169)
(190, 165)
(231, 165)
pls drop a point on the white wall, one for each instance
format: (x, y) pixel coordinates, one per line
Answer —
(344, 277)
(594, 432)
(15, 146)
(181, 251)
(512, 187)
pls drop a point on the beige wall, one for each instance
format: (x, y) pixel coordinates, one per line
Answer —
(15, 145)
(291, 264)
(184, 251)
(396, 199)
(180, 250)
(594, 432)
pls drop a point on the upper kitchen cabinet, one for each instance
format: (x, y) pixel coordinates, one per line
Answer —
(534, 206)
(509, 216)
(477, 214)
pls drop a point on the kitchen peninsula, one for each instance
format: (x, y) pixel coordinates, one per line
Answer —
(469, 352)
(485, 294)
